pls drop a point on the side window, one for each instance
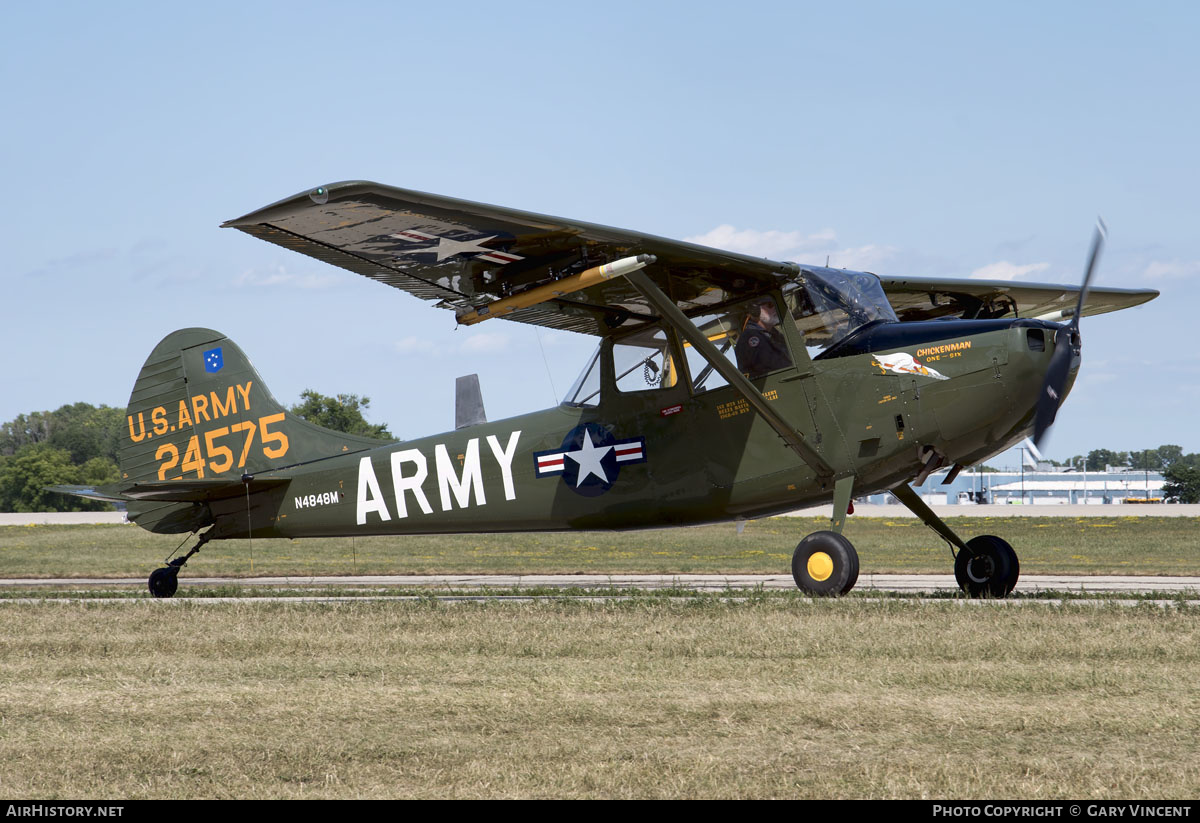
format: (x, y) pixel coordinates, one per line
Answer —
(748, 335)
(721, 331)
(644, 361)
(761, 347)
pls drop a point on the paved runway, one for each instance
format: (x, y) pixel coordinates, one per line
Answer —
(926, 583)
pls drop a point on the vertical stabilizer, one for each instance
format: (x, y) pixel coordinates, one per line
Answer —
(468, 402)
(200, 411)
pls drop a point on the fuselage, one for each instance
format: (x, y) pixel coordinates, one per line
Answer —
(872, 406)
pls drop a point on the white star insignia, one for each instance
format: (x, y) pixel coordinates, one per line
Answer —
(588, 458)
(449, 248)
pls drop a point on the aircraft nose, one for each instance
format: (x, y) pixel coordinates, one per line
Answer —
(1055, 357)
(1069, 336)
(1045, 339)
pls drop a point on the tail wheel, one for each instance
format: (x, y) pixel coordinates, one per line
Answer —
(989, 569)
(825, 564)
(164, 582)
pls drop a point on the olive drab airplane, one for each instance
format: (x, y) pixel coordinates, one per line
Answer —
(723, 387)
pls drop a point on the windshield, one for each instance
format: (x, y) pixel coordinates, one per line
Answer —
(827, 305)
(586, 389)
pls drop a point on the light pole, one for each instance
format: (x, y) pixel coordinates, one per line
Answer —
(1085, 485)
(1147, 464)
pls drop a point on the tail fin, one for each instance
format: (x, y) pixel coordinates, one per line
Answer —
(200, 411)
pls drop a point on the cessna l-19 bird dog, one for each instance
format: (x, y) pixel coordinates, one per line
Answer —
(723, 387)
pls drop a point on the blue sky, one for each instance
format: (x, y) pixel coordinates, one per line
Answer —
(923, 139)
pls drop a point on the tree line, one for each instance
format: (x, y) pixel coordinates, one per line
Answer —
(1148, 460)
(76, 445)
(1181, 472)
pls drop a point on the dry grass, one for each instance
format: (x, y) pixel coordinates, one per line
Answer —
(775, 698)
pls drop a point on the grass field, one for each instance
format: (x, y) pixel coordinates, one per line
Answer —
(1092, 545)
(774, 697)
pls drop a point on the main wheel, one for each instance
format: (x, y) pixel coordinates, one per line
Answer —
(164, 582)
(825, 564)
(990, 569)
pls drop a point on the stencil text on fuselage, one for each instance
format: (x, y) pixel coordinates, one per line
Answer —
(410, 468)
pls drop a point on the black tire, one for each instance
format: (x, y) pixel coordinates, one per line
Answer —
(990, 569)
(825, 564)
(164, 582)
(849, 584)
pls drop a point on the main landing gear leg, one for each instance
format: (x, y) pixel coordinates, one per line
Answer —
(825, 563)
(165, 581)
(984, 566)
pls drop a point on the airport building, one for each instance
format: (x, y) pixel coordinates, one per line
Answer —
(1045, 486)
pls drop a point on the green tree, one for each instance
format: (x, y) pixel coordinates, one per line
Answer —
(98, 471)
(343, 413)
(1170, 454)
(25, 475)
(83, 430)
(87, 431)
(1182, 483)
(1148, 460)
(23, 431)
(1097, 459)
(1188, 460)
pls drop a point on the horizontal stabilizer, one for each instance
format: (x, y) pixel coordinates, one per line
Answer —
(91, 493)
(172, 491)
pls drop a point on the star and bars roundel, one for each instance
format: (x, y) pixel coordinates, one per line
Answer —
(420, 243)
(590, 459)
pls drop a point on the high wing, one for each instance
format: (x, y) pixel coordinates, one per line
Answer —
(921, 299)
(465, 255)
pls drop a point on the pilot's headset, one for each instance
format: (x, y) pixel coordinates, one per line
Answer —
(755, 307)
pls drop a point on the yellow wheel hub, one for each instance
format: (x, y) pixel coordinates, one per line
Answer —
(820, 566)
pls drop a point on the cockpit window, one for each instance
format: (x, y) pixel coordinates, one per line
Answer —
(827, 305)
(643, 361)
(748, 335)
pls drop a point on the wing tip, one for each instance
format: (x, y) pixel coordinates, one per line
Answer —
(317, 196)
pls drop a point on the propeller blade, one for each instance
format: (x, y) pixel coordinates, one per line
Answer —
(1057, 373)
(1053, 386)
(1093, 258)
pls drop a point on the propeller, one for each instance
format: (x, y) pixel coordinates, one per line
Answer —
(1060, 362)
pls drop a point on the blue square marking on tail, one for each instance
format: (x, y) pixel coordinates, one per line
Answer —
(213, 361)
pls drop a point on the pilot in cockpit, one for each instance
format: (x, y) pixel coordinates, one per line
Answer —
(761, 347)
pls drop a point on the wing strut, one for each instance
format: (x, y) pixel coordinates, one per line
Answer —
(670, 312)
